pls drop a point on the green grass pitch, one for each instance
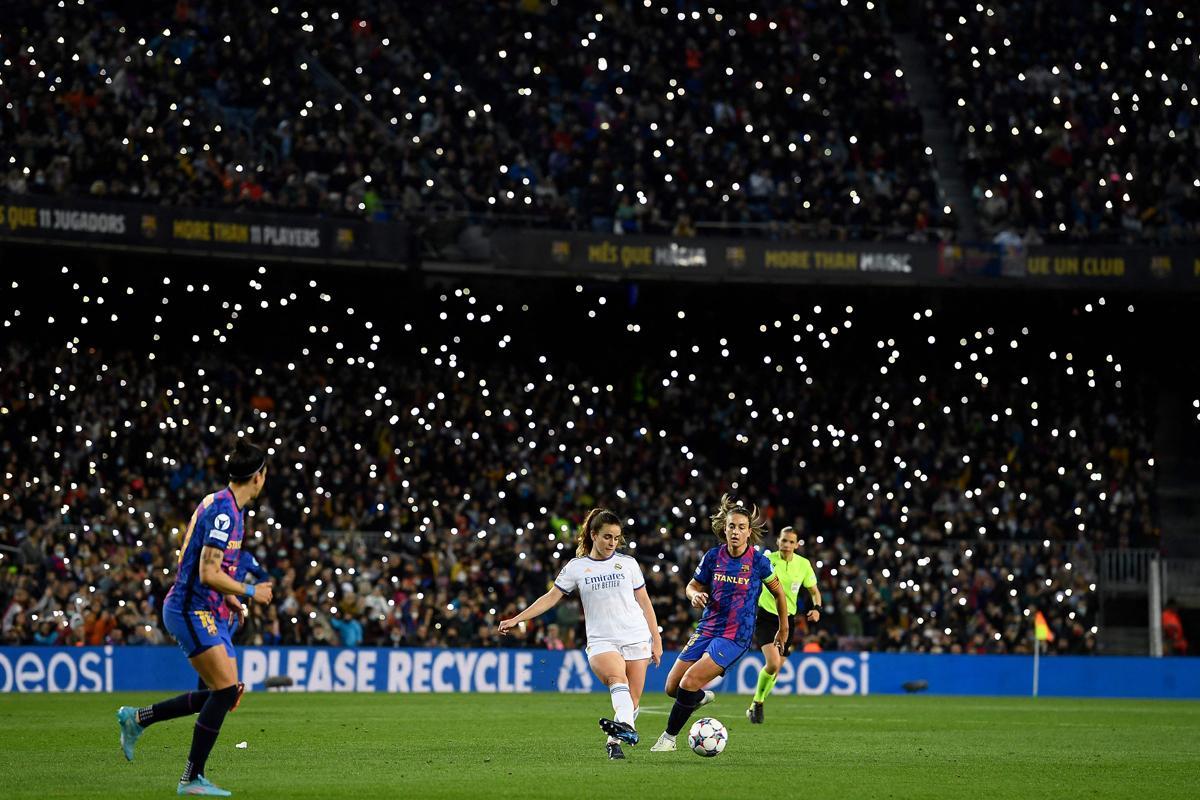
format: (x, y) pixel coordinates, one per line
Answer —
(549, 746)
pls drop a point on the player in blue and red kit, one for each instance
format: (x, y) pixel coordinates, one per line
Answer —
(210, 555)
(726, 585)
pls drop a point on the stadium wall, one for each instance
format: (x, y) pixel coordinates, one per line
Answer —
(103, 669)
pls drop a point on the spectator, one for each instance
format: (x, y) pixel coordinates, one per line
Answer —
(1172, 626)
(46, 635)
(552, 639)
(349, 629)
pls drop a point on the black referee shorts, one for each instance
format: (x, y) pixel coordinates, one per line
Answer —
(766, 625)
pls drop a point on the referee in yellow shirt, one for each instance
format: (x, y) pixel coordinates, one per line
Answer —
(793, 572)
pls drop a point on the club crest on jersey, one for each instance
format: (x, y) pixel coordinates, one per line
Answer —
(222, 522)
(745, 567)
(618, 566)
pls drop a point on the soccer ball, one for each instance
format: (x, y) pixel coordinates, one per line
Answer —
(707, 737)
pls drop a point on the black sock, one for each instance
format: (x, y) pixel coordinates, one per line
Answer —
(180, 706)
(208, 727)
(685, 703)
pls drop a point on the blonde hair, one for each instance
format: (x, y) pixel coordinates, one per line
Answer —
(720, 518)
(596, 519)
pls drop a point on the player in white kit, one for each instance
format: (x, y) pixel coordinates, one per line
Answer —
(622, 631)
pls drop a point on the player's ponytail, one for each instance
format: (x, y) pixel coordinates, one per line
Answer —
(720, 518)
(596, 519)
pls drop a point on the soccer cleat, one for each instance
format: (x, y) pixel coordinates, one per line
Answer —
(709, 696)
(202, 787)
(130, 730)
(755, 713)
(620, 730)
(665, 744)
(614, 751)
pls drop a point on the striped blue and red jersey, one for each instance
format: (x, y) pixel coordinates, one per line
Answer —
(216, 522)
(734, 585)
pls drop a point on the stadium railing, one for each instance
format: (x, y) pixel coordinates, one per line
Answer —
(1127, 569)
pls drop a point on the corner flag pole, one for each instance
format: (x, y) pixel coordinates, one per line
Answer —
(1037, 645)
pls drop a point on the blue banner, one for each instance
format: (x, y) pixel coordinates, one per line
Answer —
(109, 669)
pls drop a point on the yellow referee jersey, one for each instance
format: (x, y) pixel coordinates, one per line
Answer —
(792, 576)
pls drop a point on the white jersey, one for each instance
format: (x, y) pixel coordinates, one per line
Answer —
(606, 590)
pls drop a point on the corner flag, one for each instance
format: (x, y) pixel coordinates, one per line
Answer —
(1042, 629)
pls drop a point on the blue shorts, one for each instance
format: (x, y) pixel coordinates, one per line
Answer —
(725, 652)
(197, 630)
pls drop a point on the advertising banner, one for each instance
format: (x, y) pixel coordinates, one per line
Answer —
(403, 670)
(714, 259)
(1094, 266)
(214, 231)
(307, 237)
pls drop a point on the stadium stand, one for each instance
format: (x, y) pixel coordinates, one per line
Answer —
(606, 117)
(286, 107)
(1077, 121)
(429, 467)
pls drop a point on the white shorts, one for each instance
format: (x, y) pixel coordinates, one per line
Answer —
(637, 651)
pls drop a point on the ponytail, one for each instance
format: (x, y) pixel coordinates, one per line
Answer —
(596, 519)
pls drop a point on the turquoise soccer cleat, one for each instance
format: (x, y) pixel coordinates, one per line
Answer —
(130, 730)
(202, 787)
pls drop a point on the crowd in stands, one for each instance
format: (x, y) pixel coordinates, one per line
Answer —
(1077, 120)
(431, 454)
(638, 116)
(1075, 123)
(191, 103)
(598, 116)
